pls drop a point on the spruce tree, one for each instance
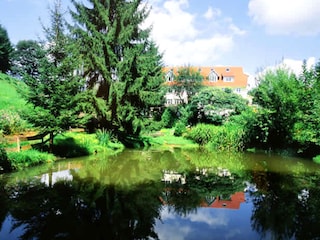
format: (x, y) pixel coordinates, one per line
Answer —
(120, 62)
(5, 50)
(54, 92)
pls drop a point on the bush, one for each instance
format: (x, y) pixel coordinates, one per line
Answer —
(5, 164)
(202, 133)
(153, 126)
(11, 122)
(168, 117)
(179, 129)
(228, 137)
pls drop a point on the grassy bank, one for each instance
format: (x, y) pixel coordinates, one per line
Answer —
(165, 139)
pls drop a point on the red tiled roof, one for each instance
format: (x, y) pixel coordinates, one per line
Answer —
(240, 78)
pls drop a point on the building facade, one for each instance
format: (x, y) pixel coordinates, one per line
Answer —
(218, 77)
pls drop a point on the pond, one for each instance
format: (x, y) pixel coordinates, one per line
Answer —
(176, 194)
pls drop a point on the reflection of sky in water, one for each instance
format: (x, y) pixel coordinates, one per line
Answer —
(6, 233)
(207, 223)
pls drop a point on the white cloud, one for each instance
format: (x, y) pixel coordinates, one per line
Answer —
(212, 13)
(186, 37)
(293, 65)
(299, 17)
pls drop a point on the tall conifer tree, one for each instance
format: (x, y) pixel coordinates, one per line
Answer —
(54, 91)
(5, 50)
(119, 61)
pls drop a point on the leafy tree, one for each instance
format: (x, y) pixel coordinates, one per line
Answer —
(188, 81)
(307, 124)
(121, 65)
(212, 105)
(54, 93)
(5, 50)
(26, 58)
(278, 93)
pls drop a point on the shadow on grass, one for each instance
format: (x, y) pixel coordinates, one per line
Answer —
(68, 148)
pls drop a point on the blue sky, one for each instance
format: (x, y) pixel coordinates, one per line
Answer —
(253, 34)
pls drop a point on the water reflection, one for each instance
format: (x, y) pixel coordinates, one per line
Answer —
(163, 195)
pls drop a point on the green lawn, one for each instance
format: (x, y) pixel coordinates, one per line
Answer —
(11, 91)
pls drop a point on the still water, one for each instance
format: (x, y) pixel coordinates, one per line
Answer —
(175, 194)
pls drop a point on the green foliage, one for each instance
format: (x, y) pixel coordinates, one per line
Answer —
(202, 133)
(5, 164)
(11, 122)
(179, 129)
(305, 130)
(168, 117)
(54, 89)
(188, 80)
(5, 50)
(230, 137)
(121, 64)
(68, 147)
(103, 136)
(212, 105)
(279, 96)
(28, 158)
(26, 58)
(316, 159)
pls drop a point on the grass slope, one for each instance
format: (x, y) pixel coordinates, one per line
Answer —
(11, 91)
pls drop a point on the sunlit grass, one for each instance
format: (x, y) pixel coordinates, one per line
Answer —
(10, 98)
(24, 159)
(165, 139)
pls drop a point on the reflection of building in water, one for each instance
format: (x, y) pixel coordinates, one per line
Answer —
(56, 176)
(171, 176)
(62, 173)
(232, 202)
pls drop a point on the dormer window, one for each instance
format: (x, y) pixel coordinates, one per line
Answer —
(213, 76)
(169, 76)
(228, 79)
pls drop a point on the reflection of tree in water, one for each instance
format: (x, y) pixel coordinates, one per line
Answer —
(199, 186)
(288, 208)
(83, 209)
(3, 202)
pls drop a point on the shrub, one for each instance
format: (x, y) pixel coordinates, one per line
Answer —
(11, 122)
(168, 117)
(227, 138)
(202, 133)
(179, 129)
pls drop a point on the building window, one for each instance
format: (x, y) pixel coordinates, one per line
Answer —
(170, 76)
(227, 69)
(169, 101)
(238, 90)
(228, 79)
(213, 77)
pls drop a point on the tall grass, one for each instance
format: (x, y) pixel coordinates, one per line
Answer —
(229, 137)
(24, 159)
